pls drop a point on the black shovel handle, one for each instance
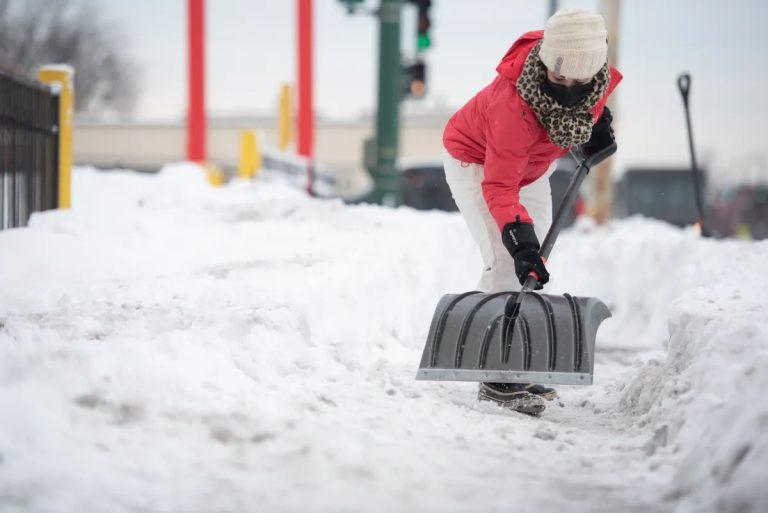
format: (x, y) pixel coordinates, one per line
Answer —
(512, 308)
(571, 193)
(684, 83)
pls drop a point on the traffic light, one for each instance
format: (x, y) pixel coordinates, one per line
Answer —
(423, 41)
(415, 74)
(415, 79)
(351, 5)
(423, 23)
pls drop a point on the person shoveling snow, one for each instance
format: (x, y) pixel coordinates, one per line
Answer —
(500, 148)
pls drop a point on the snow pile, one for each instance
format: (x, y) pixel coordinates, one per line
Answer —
(704, 401)
(707, 400)
(167, 346)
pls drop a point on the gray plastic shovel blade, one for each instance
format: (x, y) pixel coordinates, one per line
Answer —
(553, 340)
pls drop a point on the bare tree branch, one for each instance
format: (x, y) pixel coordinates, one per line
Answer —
(37, 32)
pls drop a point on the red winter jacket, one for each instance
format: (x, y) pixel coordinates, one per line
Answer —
(498, 130)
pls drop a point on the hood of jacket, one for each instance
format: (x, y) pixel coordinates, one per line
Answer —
(512, 63)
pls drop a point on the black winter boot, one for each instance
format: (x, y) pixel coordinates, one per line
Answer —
(542, 391)
(515, 396)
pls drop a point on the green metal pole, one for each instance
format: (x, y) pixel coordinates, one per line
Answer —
(385, 175)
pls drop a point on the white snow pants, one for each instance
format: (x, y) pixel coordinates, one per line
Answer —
(465, 181)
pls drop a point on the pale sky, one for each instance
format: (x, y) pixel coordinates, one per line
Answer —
(251, 51)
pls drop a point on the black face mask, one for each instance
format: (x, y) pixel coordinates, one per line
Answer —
(567, 96)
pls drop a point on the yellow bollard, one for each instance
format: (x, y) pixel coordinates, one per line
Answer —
(62, 76)
(250, 155)
(247, 154)
(285, 134)
(215, 175)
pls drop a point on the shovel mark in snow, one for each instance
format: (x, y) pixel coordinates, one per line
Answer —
(223, 435)
(90, 401)
(222, 271)
(121, 413)
(727, 474)
(659, 439)
(355, 472)
(258, 438)
(545, 432)
(326, 400)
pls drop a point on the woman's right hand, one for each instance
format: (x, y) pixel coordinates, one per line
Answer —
(521, 242)
(527, 262)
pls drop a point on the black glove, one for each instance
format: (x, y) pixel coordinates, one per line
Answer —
(521, 242)
(602, 135)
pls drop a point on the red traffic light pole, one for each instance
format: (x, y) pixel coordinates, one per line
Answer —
(196, 122)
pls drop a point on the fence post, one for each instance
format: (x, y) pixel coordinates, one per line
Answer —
(62, 76)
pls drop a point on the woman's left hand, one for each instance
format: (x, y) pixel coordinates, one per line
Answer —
(602, 135)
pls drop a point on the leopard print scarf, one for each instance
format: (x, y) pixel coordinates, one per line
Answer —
(566, 126)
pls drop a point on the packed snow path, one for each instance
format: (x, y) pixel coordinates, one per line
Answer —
(167, 346)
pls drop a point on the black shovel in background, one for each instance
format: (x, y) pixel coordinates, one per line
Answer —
(684, 83)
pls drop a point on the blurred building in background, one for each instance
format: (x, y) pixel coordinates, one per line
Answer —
(339, 144)
(736, 198)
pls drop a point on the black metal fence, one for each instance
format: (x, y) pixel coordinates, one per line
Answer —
(29, 149)
(322, 180)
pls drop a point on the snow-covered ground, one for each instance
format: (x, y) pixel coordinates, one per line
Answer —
(167, 346)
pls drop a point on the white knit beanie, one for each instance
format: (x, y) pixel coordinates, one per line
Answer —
(575, 44)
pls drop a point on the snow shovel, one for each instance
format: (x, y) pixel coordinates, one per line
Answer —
(684, 84)
(518, 337)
